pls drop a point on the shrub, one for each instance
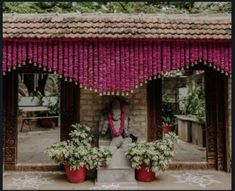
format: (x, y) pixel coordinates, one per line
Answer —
(156, 155)
(77, 151)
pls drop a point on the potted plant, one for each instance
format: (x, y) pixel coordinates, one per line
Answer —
(77, 155)
(150, 157)
(167, 125)
(168, 112)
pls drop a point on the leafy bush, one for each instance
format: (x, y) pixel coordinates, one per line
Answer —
(54, 108)
(156, 155)
(117, 7)
(168, 121)
(195, 103)
(78, 151)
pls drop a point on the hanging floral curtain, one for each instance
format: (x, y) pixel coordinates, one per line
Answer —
(115, 66)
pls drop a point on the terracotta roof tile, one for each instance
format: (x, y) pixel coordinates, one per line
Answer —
(195, 26)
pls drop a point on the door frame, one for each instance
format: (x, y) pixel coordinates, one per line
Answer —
(70, 113)
(216, 118)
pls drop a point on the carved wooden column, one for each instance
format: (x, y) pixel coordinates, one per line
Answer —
(210, 116)
(215, 119)
(10, 99)
(228, 121)
(70, 107)
(221, 124)
(154, 99)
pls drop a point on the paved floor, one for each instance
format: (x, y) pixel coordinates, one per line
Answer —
(189, 152)
(168, 180)
(32, 145)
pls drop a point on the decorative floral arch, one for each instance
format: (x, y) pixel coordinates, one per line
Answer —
(115, 66)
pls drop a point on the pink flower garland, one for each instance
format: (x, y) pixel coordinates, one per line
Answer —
(110, 121)
(115, 66)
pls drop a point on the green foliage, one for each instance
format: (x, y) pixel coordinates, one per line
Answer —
(81, 135)
(167, 121)
(116, 7)
(168, 112)
(54, 109)
(77, 151)
(156, 155)
(195, 103)
(37, 94)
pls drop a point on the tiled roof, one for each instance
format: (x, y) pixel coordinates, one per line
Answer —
(191, 26)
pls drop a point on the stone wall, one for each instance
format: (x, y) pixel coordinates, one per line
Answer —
(91, 105)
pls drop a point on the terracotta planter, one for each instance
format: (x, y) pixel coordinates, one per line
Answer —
(143, 175)
(47, 123)
(76, 176)
(167, 129)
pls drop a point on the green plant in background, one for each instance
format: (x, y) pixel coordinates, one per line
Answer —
(156, 155)
(38, 94)
(116, 7)
(54, 108)
(168, 111)
(195, 103)
(168, 121)
(78, 151)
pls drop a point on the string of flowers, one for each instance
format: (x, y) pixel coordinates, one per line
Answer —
(114, 67)
(110, 121)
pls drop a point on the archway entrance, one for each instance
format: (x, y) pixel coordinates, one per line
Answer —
(216, 115)
(216, 118)
(69, 114)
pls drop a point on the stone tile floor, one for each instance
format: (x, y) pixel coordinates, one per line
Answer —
(168, 180)
(32, 144)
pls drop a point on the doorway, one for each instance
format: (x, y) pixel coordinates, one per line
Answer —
(216, 118)
(183, 112)
(69, 114)
(38, 116)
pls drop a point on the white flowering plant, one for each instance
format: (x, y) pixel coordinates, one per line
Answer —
(77, 151)
(156, 154)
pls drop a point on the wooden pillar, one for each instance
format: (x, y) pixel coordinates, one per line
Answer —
(228, 121)
(215, 119)
(210, 117)
(70, 107)
(10, 100)
(221, 122)
(154, 104)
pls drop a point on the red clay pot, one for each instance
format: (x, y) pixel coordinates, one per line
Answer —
(75, 176)
(167, 129)
(46, 123)
(143, 175)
